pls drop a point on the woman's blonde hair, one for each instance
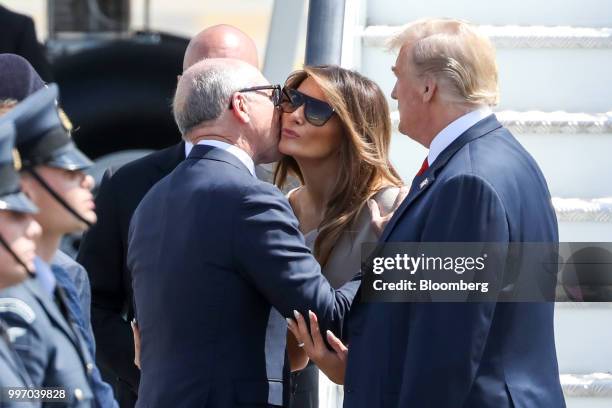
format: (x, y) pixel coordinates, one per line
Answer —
(364, 151)
(457, 55)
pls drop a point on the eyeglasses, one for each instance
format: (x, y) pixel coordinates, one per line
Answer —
(316, 111)
(275, 97)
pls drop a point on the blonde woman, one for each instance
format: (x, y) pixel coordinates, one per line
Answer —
(335, 138)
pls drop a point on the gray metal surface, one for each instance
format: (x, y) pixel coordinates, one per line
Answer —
(324, 36)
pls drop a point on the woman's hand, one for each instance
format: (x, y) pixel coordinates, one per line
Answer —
(332, 363)
(298, 359)
(380, 220)
(136, 332)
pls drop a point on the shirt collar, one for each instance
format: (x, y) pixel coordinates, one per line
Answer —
(233, 149)
(188, 147)
(44, 275)
(455, 129)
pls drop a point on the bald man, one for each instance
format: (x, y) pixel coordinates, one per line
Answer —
(103, 250)
(221, 41)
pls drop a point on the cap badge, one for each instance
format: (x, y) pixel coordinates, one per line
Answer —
(16, 160)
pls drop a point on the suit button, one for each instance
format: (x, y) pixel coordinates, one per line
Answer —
(78, 394)
(348, 390)
(90, 368)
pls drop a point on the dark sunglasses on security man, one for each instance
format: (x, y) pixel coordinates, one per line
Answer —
(275, 97)
(316, 111)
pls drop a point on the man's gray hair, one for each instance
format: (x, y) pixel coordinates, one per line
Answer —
(459, 55)
(204, 92)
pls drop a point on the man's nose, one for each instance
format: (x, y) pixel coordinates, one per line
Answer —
(394, 92)
(34, 230)
(88, 182)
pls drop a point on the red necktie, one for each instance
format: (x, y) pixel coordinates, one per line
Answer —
(424, 167)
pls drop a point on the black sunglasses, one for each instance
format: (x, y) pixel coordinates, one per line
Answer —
(316, 111)
(275, 97)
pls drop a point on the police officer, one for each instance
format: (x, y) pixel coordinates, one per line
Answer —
(51, 343)
(20, 80)
(17, 233)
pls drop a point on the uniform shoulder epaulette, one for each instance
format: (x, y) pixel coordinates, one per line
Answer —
(17, 307)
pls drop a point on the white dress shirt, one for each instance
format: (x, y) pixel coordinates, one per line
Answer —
(455, 129)
(230, 148)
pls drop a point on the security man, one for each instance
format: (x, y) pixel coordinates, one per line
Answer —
(51, 344)
(17, 233)
(20, 80)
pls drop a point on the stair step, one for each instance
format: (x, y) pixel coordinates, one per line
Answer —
(587, 385)
(588, 402)
(579, 210)
(540, 68)
(583, 334)
(585, 13)
(530, 122)
(555, 122)
(583, 220)
(552, 139)
(540, 37)
(587, 390)
(514, 36)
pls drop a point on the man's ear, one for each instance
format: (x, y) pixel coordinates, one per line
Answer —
(429, 88)
(240, 108)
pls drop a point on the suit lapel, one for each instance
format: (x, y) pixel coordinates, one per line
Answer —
(422, 183)
(419, 185)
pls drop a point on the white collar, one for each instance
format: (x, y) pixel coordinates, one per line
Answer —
(233, 149)
(455, 129)
(188, 147)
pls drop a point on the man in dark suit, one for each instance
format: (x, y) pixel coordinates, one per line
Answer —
(104, 247)
(18, 36)
(216, 254)
(478, 184)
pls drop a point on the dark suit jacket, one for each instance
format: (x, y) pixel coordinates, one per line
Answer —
(214, 253)
(484, 187)
(18, 36)
(103, 253)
